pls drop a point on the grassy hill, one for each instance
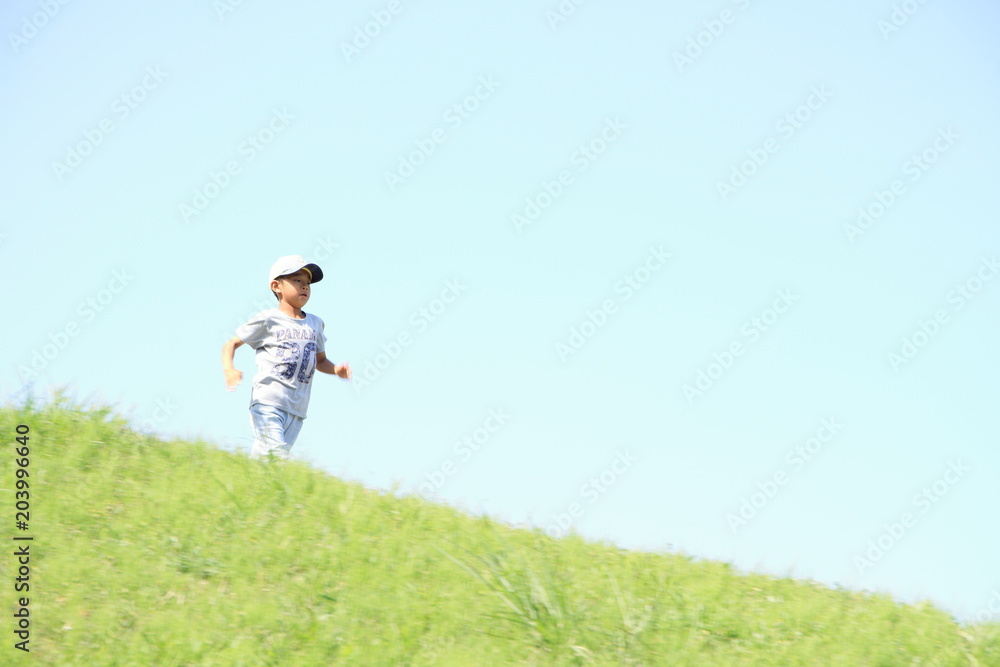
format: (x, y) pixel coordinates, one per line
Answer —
(178, 553)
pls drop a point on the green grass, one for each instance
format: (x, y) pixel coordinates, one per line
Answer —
(179, 553)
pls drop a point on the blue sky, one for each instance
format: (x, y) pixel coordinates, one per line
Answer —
(621, 243)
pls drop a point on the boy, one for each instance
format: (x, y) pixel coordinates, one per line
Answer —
(290, 345)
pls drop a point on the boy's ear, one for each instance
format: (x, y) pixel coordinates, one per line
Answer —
(275, 287)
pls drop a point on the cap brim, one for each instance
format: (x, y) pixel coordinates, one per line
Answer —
(315, 272)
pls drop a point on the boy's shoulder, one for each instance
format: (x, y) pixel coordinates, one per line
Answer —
(266, 314)
(315, 318)
(274, 315)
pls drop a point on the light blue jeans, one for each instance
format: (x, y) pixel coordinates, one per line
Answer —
(274, 431)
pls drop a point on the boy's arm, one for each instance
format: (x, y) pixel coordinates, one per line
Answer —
(233, 376)
(324, 365)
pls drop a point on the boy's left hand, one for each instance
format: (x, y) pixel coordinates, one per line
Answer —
(343, 371)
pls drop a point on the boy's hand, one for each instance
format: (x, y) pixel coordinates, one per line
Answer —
(233, 378)
(324, 365)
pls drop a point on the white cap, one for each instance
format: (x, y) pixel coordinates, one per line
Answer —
(291, 264)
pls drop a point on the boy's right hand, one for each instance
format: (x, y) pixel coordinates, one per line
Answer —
(233, 378)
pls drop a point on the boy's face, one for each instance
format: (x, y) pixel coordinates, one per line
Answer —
(293, 288)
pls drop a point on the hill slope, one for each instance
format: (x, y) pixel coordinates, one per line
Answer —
(153, 553)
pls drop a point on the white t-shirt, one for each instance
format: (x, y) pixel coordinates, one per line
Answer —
(286, 358)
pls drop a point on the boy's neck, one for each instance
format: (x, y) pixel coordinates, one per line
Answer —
(290, 310)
